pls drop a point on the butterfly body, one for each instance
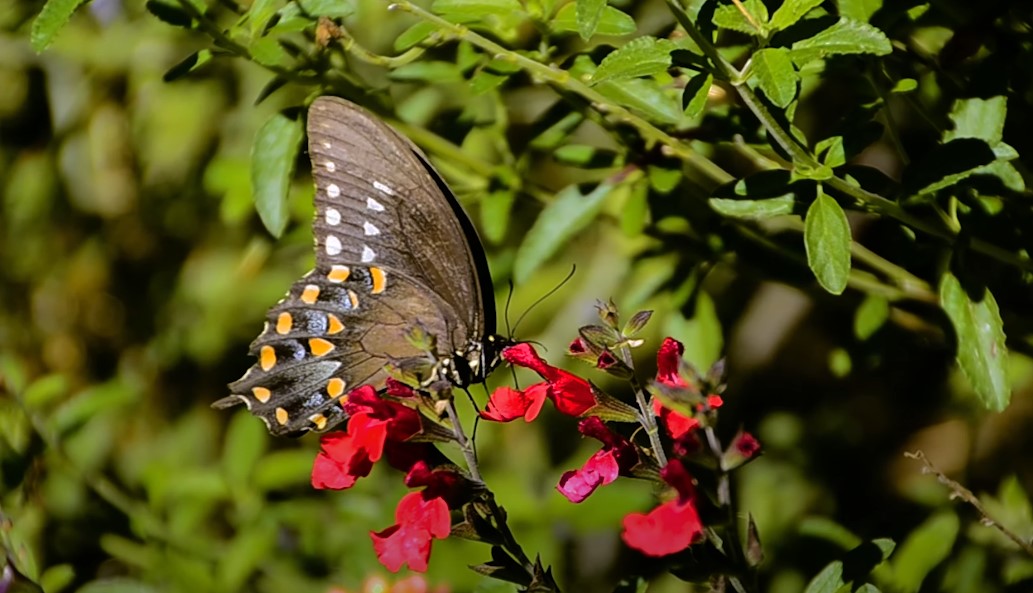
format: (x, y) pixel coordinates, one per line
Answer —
(394, 254)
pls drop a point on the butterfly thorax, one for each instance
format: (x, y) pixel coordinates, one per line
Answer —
(471, 364)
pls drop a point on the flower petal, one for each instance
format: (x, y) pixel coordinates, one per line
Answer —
(667, 529)
(668, 363)
(601, 468)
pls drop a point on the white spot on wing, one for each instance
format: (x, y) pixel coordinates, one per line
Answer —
(332, 190)
(369, 228)
(368, 254)
(326, 145)
(374, 205)
(330, 166)
(381, 187)
(333, 217)
(333, 245)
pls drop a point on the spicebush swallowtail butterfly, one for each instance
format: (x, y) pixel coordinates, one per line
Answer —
(394, 252)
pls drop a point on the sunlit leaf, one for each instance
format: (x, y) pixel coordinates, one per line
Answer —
(642, 56)
(775, 75)
(826, 236)
(754, 209)
(790, 12)
(846, 36)
(51, 19)
(588, 13)
(612, 21)
(982, 353)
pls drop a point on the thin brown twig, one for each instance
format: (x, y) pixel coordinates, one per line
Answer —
(959, 491)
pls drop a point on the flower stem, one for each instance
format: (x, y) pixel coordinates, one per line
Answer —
(465, 445)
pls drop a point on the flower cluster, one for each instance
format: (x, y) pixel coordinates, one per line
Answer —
(379, 427)
(658, 439)
(678, 404)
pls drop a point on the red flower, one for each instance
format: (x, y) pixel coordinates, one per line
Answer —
(571, 394)
(345, 457)
(670, 527)
(419, 518)
(508, 404)
(617, 454)
(577, 347)
(668, 364)
(418, 521)
(606, 360)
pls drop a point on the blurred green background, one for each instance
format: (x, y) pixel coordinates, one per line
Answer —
(134, 272)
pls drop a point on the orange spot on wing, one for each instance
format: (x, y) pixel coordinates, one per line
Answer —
(267, 357)
(284, 323)
(282, 416)
(335, 325)
(320, 347)
(310, 294)
(354, 298)
(379, 280)
(319, 420)
(335, 387)
(338, 273)
(261, 394)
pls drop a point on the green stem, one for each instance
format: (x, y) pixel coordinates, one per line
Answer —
(563, 79)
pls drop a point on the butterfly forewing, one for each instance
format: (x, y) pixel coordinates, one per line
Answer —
(393, 252)
(378, 203)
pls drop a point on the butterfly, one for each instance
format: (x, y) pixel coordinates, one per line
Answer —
(395, 255)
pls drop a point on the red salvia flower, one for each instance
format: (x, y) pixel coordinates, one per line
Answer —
(508, 404)
(418, 521)
(345, 457)
(606, 360)
(618, 454)
(419, 518)
(670, 527)
(571, 394)
(668, 364)
(577, 347)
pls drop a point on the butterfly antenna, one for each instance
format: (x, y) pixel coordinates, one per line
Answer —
(541, 299)
(505, 314)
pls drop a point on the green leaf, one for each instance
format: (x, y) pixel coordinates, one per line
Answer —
(982, 353)
(701, 335)
(644, 96)
(846, 36)
(267, 51)
(428, 70)
(612, 21)
(272, 167)
(244, 445)
(775, 74)
(978, 118)
(635, 212)
(191, 63)
(51, 19)
(260, 13)
(926, 547)
(832, 151)
(870, 316)
(858, 10)
(563, 218)
(483, 81)
(826, 236)
(495, 214)
(476, 9)
(697, 90)
(169, 13)
(642, 56)
(414, 35)
(589, 13)
(728, 16)
(829, 580)
(791, 12)
(904, 85)
(754, 209)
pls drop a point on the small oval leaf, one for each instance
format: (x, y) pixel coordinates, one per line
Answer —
(272, 166)
(642, 56)
(826, 236)
(559, 221)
